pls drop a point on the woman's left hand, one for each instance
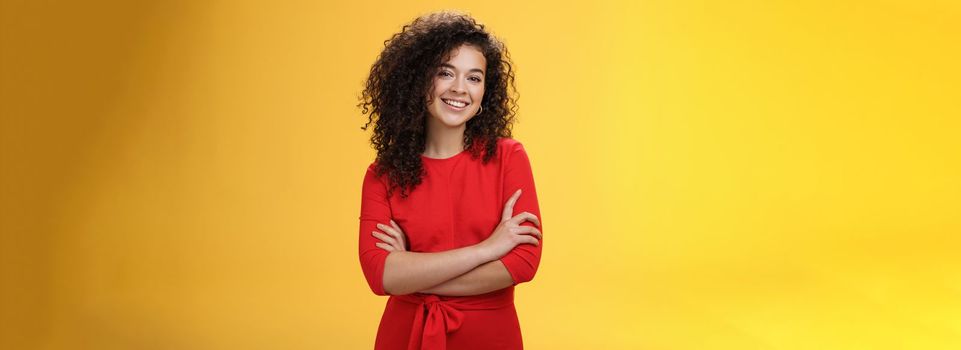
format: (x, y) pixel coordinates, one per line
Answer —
(394, 240)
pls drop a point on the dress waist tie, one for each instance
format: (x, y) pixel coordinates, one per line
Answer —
(436, 316)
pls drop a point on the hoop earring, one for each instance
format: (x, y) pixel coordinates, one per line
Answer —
(479, 111)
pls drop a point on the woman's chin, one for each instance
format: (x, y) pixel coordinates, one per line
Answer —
(456, 123)
(453, 121)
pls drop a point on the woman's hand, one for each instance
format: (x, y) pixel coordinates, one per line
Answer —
(509, 233)
(394, 240)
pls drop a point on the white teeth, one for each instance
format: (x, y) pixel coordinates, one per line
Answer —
(457, 104)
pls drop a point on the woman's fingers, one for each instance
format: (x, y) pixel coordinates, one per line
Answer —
(394, 231)
(528, 229)
(387, 239)
(400, 233)
(391, 231)
(519, 218)
(530, 240)
(395, 235)
(401, 236)
(509, 206)
(385, 246)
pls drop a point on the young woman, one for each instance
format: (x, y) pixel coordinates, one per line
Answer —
(449, 220)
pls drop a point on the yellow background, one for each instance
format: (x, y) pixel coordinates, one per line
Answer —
(711, 174)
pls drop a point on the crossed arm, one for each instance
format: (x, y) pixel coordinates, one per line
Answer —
(459, 272)
(487, 277)
(471, 270)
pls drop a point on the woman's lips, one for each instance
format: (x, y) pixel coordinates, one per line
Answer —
(456, 108)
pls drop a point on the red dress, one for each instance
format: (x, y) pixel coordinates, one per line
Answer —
(458, 204)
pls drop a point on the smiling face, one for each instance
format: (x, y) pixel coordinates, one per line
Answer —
(458, 88)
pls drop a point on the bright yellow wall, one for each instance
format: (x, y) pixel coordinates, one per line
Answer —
(712, 174)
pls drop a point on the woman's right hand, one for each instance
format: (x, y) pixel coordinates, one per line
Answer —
(509, 233)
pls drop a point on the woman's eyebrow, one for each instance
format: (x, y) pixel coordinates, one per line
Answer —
(447, 65)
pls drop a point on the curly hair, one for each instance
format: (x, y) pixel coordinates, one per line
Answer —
(399, 84)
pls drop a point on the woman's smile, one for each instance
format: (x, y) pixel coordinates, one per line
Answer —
(456, 105)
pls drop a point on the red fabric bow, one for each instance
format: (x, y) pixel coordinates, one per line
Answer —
(436, 317)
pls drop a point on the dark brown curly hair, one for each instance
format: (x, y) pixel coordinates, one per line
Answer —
(399, 84)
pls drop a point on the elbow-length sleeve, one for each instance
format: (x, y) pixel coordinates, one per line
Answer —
(523, 260)
(374, 209)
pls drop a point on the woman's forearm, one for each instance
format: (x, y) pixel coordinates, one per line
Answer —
(487, 277)
(408, 272)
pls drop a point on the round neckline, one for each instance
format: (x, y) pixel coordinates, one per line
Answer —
(443, 159)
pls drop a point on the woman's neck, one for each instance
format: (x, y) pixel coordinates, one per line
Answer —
(443, 142)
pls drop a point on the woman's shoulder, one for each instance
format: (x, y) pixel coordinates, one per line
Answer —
(371, 172)
(508, 145)
(509, 151)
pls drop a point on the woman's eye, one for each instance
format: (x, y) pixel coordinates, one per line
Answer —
(446, 74)
(476, 79)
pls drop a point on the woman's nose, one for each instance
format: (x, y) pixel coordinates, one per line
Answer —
(457, 86)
